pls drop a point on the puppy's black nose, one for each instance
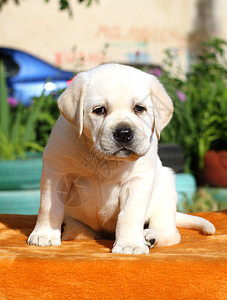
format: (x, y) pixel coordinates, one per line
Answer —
(123, 135)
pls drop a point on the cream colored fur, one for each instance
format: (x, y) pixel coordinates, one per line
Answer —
(99, 186)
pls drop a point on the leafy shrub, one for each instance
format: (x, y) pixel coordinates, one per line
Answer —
(199, 122)
(17, 125)
(46, 119)
(201, 201)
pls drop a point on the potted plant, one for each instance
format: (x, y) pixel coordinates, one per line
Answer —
(199, 123)
(20, 154)
(212, 65)
(24, 132)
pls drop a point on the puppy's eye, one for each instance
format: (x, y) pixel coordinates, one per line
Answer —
(99, 111)
(139, 109)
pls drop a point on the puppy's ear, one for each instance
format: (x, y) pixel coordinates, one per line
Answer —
(162, 105)
(71, 101)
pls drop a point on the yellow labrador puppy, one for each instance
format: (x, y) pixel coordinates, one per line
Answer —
(101, 171)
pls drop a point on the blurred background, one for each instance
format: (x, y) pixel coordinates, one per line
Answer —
(43, 44)
(129, 31)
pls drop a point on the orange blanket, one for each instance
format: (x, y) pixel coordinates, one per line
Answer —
(194, 269)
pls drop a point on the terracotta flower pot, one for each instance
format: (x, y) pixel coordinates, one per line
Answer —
(215, 168)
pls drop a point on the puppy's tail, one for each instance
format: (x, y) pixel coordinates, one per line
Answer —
(193, 222)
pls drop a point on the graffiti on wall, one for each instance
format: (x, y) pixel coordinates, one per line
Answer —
(151, 34)
(76, 60)
(132, 45)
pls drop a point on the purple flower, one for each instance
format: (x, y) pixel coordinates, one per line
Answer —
(157, 72)
(12, 101)
(181, 96)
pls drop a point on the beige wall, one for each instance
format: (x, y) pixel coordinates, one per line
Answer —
(146, 27)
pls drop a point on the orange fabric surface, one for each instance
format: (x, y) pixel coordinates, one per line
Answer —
(194, 269)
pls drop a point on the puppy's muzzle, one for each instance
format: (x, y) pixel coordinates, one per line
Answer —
(123, 135)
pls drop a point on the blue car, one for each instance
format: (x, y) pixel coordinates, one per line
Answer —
(28, 76)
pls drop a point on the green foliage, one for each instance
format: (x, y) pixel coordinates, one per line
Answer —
(4, 112)
(201, 202)
(200, 121)
(17, 126)
(62, 4)
(46, 119)
(3, 2)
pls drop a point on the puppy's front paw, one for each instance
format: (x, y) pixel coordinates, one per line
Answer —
(44, 237)
(130, 249)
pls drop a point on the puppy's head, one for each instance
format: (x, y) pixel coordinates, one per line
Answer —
(118, 108)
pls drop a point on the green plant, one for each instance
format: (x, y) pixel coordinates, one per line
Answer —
(46, 119)
(201, 202)
(17, 126)
(200, 98)
(62, 4)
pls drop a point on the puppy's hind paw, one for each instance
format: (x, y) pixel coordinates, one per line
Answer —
(160, 237)
(150, 242)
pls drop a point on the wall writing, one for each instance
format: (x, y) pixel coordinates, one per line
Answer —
(151, 34)
(129, 45)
